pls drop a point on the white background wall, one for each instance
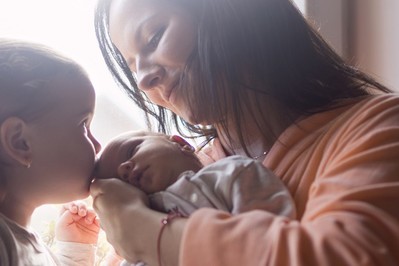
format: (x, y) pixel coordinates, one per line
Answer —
(67, 25)
(365, 32)
(374, 38)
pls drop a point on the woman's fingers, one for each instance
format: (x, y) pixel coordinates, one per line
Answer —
(114, 193)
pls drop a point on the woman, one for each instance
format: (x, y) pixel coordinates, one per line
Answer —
(258, 80)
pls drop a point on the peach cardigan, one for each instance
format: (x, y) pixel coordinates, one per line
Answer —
(342, 169)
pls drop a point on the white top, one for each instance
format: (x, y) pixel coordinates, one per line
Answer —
(20, 246)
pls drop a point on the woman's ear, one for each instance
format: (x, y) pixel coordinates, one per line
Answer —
(14, 141)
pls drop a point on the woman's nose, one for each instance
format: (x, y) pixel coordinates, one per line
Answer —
(148, 75)
(124, 170)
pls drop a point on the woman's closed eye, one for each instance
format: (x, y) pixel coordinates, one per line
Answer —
(154, 41)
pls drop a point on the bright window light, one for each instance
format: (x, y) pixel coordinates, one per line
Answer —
(67, 25)
(301, 4)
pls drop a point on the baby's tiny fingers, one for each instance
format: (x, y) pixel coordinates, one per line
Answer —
(82, 212)
(70, 206)
(81, 208)
(90, 217)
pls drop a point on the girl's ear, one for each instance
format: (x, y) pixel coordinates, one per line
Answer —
(14, 141)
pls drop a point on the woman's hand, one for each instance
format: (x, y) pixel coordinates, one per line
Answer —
(131, 227)
(77, 223)
(119, 205)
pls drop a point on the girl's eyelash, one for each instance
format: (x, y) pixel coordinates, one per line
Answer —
(85, 123)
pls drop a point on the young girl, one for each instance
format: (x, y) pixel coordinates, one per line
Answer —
(47, 153)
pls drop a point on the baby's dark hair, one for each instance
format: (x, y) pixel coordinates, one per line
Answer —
(26, 70)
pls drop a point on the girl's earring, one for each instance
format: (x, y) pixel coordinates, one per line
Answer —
(28, 164)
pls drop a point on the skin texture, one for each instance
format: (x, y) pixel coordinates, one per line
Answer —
(149, 161)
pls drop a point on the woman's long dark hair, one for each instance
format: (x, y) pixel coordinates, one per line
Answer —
(264, 47)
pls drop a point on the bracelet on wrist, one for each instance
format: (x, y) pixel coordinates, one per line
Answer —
(172, 214)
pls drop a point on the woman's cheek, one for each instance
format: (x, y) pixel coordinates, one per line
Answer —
(156, 98)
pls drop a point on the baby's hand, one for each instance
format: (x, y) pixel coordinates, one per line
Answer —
(77, 223)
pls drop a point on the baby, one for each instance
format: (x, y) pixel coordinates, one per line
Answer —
(47, 153)
(167, 169)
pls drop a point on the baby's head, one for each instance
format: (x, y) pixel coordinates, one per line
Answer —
(147, 160)
(47, 151)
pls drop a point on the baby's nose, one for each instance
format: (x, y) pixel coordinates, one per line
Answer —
(124, 170)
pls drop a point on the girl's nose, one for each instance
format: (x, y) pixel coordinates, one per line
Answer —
(124, 170)
(96, 143)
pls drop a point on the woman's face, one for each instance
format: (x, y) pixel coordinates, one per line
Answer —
(155, 38)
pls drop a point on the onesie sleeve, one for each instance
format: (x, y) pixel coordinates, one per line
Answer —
(255, 187)
(75, 254)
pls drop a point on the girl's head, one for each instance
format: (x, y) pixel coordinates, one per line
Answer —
(149, 161)
(223, 62)
(47, 151)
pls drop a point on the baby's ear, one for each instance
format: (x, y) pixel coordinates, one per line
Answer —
(14, 141)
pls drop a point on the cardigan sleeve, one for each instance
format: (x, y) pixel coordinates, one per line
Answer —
(351, 215)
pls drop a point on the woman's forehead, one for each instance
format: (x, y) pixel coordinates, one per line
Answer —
(134, 8)
(125, 16)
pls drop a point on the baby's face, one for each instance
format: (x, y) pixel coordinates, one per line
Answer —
(149, 161)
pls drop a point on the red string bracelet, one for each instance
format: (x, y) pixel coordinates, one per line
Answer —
(174, 213)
